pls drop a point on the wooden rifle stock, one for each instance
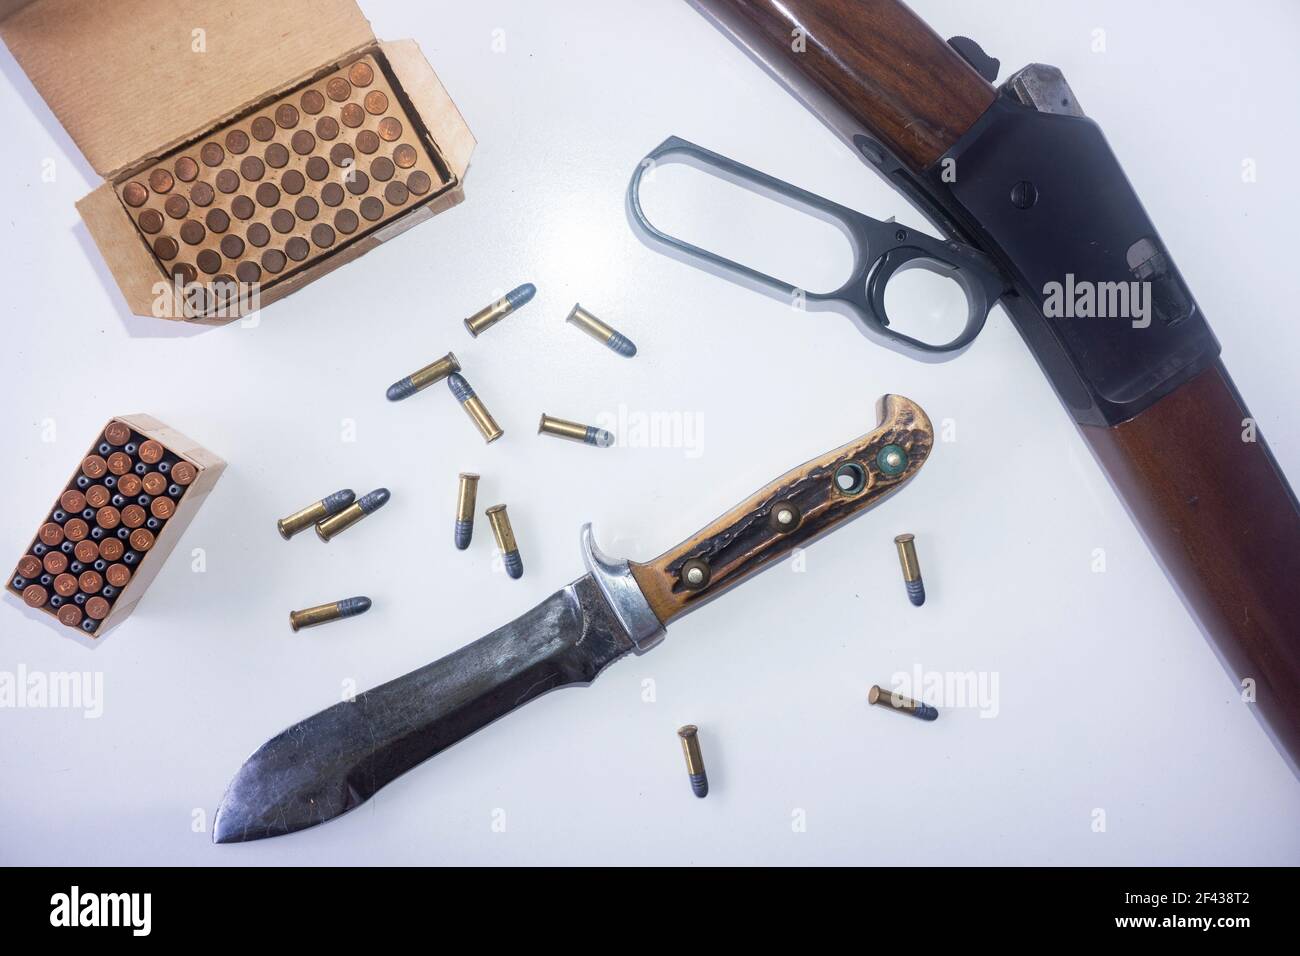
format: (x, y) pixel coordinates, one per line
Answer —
(1193, 472)
(1220, 516)
(864, 66)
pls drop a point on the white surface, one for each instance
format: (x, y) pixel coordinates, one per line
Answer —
(1108, 696)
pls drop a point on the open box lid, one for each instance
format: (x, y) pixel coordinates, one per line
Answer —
(130, 79)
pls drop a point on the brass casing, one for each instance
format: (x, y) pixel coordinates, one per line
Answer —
(310, 617)
(488, 316)
(482, 418)
(501, 529)
(299, 520)
(886, 698)
(343, 520)
(561, 428)
(435, 371)
(907, 557)
(691, 748)
(590, 324)
(466, 495)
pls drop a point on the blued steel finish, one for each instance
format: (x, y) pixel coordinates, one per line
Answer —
(880, 250)
(1041, 206)
(1019, 173)
(336, 760)
(1081, 227)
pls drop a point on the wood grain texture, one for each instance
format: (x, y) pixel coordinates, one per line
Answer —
(865, 66)
(745, 540)
(1219, 514)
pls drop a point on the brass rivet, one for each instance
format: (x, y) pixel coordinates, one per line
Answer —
(784, 518)
(695, 574)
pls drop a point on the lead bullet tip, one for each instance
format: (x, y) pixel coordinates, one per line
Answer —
(514, 564)
(521, 295)
(400, 390)
(621, 344)
(349, 607)
(339, 500)
(459, 387)
(375, 500)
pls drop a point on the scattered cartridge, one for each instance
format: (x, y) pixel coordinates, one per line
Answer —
(366, 504)
(466, 496)
(490, 315)
(896, 701)
(418, 381)
(906, 545)
(324, 613)
(505, 536)
(601, 332)
(474, 408)
(690, 737)
(588, 434)
(301, 520)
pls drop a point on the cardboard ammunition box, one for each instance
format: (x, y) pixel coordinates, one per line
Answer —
(56, 550)
(134, 80)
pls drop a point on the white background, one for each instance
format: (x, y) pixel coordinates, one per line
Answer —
(1108, 696)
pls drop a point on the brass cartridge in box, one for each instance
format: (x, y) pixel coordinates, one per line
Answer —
(99, 547)
(275, 144)
(296, 180)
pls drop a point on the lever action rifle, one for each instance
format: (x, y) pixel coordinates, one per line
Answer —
(1019, 174)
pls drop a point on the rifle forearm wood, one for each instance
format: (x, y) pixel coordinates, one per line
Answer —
(1220, 516)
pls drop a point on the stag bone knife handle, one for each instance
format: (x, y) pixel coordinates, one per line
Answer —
(789, 513)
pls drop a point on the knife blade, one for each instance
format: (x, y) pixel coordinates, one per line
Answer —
(334, 761)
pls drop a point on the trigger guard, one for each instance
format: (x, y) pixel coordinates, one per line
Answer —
(891, 262)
